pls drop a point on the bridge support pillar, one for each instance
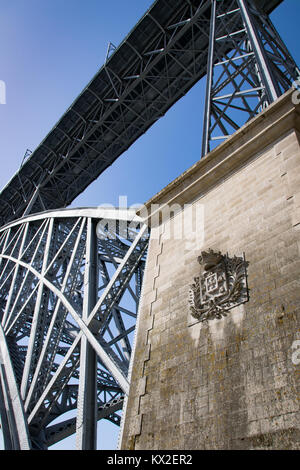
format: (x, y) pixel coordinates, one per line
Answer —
(215, 364)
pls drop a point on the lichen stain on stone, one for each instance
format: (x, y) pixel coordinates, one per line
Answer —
(217, 328)
(237, 315)
(195, 332)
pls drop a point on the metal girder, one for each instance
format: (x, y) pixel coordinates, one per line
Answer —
(248, 68)
(157, 63)
(13, 419)
(68, 305)
(59, 431)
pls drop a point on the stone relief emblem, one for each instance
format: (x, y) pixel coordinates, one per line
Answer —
(221, 286)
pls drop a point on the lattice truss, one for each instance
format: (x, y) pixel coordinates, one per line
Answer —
(249, 67)
(69, 292)
(164, 55)
(154, 66)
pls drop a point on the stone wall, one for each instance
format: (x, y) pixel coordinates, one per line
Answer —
(229, 383)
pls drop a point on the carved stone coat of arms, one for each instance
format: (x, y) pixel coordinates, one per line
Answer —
(221, 286)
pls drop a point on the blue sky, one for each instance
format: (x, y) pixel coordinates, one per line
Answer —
(49, 51)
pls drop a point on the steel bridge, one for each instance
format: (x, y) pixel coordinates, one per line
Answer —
(71, 279)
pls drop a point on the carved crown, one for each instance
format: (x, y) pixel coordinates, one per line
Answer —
(209, 259)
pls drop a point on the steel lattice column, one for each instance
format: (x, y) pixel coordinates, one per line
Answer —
(70, 285)
(86, 432)
(248, 68)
